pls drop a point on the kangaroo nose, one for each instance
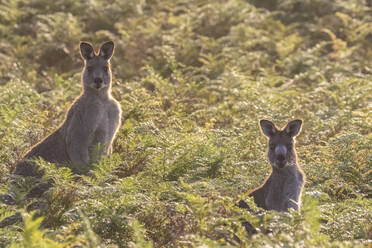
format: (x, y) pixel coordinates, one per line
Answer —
(281, 158)
(98, 80)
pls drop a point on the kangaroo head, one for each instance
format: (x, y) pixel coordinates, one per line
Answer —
(281, 142)
(97, 71)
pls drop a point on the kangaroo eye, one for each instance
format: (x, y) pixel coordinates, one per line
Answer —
(89, 69)
(105, 68)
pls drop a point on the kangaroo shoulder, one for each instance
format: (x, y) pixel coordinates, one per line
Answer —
(259, 195)
(300, 176)
(78, 103)
(114, 107)
(71, 111)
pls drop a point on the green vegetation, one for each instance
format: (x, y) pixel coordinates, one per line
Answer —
(193, 78)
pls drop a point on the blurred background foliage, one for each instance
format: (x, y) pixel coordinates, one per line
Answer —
(193, 78)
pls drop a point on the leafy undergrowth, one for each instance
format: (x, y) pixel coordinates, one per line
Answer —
(193, 79)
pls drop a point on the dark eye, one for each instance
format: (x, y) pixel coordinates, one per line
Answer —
(89, 69)
(105, 68)
(272, 146)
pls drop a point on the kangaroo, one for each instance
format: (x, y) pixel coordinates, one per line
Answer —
(282, 189)
(92, 120)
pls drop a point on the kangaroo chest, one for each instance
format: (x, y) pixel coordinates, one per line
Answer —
(102, 128)
(275, 195)
(100, 125)
(280, 190)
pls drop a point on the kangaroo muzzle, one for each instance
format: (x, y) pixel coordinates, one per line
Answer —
(280, 155)
(98, 82)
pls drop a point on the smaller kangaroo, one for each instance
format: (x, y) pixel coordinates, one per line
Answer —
(92, 120)
(282, 189)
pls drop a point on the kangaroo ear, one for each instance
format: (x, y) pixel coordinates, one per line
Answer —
(293, 128)
(268, 128)
(107, 49)
(86, 50)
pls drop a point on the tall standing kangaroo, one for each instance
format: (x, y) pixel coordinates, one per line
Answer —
(92, 120)
(282, 189)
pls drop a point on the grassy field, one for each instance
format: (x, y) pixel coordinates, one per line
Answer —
(193, 79)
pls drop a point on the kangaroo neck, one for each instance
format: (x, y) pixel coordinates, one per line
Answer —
(101, 94)
(288, 170)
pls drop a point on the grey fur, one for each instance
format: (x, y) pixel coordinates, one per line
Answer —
(282, 189)
(92, 120)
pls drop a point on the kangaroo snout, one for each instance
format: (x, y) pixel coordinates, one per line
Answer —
(281, 161)
(280, 158)
(280, 155)
(98, 83)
